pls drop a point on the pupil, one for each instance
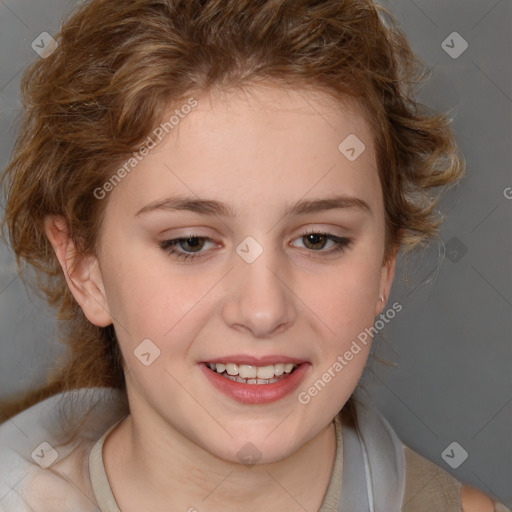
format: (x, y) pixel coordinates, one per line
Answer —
(315, 236)
(193, 239)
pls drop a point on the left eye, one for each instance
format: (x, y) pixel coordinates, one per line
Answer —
(190, 247)
(314, 239)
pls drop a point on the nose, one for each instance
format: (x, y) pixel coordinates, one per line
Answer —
(259, 298)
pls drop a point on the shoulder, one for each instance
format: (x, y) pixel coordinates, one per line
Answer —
(474, 500)
(44, 467)
(427, 486)
(430, 487)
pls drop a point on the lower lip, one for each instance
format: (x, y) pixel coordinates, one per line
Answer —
(256, 393)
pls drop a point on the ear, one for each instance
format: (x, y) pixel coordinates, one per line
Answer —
(387, 275)
(82, 273)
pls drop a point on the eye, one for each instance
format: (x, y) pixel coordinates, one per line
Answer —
(191, 243)
(316, 241)
(190, 247)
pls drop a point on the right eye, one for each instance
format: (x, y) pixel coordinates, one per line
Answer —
(194, 243)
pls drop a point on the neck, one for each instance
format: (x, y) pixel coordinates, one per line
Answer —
(160, 469)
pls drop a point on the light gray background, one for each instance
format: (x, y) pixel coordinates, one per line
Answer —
(452, 340)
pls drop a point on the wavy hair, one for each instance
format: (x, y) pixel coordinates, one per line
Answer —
(119, 65)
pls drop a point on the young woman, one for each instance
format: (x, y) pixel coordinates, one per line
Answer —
(214, 193)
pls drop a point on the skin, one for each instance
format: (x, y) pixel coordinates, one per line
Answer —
(257, 150)
(474, 500)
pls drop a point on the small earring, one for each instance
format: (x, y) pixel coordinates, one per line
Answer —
(382, 299)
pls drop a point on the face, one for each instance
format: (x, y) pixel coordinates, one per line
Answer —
(272, 280)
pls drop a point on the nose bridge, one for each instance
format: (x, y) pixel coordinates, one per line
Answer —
(258, 299)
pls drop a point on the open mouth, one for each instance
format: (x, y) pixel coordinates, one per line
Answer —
(249, 374)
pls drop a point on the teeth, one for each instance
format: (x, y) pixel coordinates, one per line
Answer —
(236, 378)
(265, 372)
(250, 372)
(279, 369)
(232, 369)
(288, 368)
(254, 374)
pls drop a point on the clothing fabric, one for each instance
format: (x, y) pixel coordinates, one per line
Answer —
(42, 470)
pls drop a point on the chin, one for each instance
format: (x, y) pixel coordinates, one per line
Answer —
(265, 449)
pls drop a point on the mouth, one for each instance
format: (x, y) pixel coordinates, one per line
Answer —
(249, 383)
(253, 375)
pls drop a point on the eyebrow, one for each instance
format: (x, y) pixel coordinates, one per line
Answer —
(213, 207)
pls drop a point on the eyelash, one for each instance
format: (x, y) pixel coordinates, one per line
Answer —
(342, 243)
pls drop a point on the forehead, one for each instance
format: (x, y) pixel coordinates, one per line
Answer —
(259, 144)
(252, 111)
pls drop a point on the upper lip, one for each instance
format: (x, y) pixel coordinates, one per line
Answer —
(255, 360)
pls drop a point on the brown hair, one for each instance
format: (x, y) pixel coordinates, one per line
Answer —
(119, 65)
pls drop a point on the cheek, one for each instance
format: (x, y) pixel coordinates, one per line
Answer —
(150, 296)
(343, 300)
(144, 298)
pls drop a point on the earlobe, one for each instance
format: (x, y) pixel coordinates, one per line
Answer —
(386, 281)
(82, 273)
